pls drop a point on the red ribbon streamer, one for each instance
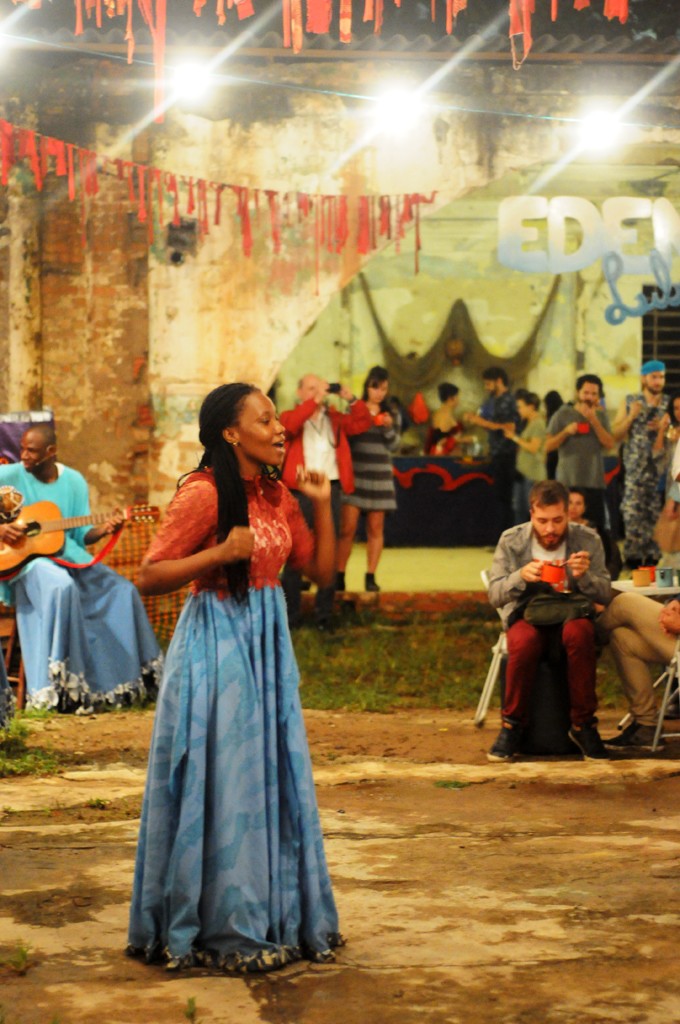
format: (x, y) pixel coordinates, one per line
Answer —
(8, 150)
(29, 150)
(345, 21)
(616, 9)
(243, 210)
(318, 16)
(275, 218)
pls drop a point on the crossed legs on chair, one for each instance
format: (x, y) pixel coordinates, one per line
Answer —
(637, 640)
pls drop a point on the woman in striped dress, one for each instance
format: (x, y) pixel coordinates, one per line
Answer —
(374, 491)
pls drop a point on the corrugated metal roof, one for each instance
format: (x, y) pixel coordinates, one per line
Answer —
(652, 30)
(423, 45)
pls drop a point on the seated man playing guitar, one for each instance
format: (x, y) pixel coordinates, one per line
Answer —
(85, 636)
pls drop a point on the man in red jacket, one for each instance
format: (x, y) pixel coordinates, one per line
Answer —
(316, 434)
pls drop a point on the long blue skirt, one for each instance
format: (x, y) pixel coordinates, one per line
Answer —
(230, 868)
(85, 638)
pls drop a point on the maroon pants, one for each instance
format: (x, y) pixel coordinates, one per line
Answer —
(527, 644)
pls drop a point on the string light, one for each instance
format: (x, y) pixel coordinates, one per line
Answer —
(397, 111)
(599, 130)
(190, 81)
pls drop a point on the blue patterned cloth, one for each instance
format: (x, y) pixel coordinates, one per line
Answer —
(230, 866)
(85, 637)
(86, 640)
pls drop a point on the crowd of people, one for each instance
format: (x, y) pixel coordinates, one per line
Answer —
(529, 439)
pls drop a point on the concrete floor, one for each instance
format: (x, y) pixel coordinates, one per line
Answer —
(547, 892)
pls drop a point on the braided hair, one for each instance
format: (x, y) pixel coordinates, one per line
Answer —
(221, 409)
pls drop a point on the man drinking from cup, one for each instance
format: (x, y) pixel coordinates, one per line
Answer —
(531, 559)
(580, 434)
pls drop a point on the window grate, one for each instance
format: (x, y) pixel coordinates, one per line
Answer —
(661, 339)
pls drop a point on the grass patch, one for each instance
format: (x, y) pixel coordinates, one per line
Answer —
(18, 962)
(18, 757)
(372, 663)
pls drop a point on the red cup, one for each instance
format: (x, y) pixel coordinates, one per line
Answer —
(553, 574)
(651, 569)
(583, 428)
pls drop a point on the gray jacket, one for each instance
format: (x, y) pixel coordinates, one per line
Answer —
(507, 589)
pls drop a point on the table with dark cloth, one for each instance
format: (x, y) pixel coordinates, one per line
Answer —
(442, 502)
(445, 502)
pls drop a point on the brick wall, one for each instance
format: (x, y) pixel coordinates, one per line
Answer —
(95, 339)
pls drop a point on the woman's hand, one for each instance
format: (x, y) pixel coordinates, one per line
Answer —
(315, 485)
(237, 547)
(172, 573)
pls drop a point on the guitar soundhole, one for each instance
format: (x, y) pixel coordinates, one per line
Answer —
(32, 529)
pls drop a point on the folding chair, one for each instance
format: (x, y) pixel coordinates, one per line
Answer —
(671, 677)
(498, 652)
(14, 665)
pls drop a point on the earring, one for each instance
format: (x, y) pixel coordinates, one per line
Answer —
(234, 443)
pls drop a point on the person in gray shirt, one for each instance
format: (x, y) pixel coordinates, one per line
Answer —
(580, 434)
(517, 574)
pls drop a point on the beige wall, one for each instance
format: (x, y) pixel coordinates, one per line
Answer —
(121, 339)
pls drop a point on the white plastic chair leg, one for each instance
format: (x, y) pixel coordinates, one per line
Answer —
(498, 651)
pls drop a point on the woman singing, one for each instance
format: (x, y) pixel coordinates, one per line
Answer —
(230, 869)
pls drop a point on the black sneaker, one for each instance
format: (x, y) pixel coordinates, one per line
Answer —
(634, 735)
(589, 742)
(507, 744)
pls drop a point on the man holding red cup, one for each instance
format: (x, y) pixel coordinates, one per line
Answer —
(580, 434)
(529, 559)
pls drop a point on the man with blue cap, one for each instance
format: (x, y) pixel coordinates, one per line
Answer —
(642, 422)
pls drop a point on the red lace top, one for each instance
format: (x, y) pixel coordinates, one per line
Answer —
(190, 525)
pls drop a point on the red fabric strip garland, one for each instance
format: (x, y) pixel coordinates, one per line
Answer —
(159, 196)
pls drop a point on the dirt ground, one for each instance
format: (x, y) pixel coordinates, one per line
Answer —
(544, 892)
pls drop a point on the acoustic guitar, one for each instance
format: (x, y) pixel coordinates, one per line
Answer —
(44, 532)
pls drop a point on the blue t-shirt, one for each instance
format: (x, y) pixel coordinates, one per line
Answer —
(68, 492)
